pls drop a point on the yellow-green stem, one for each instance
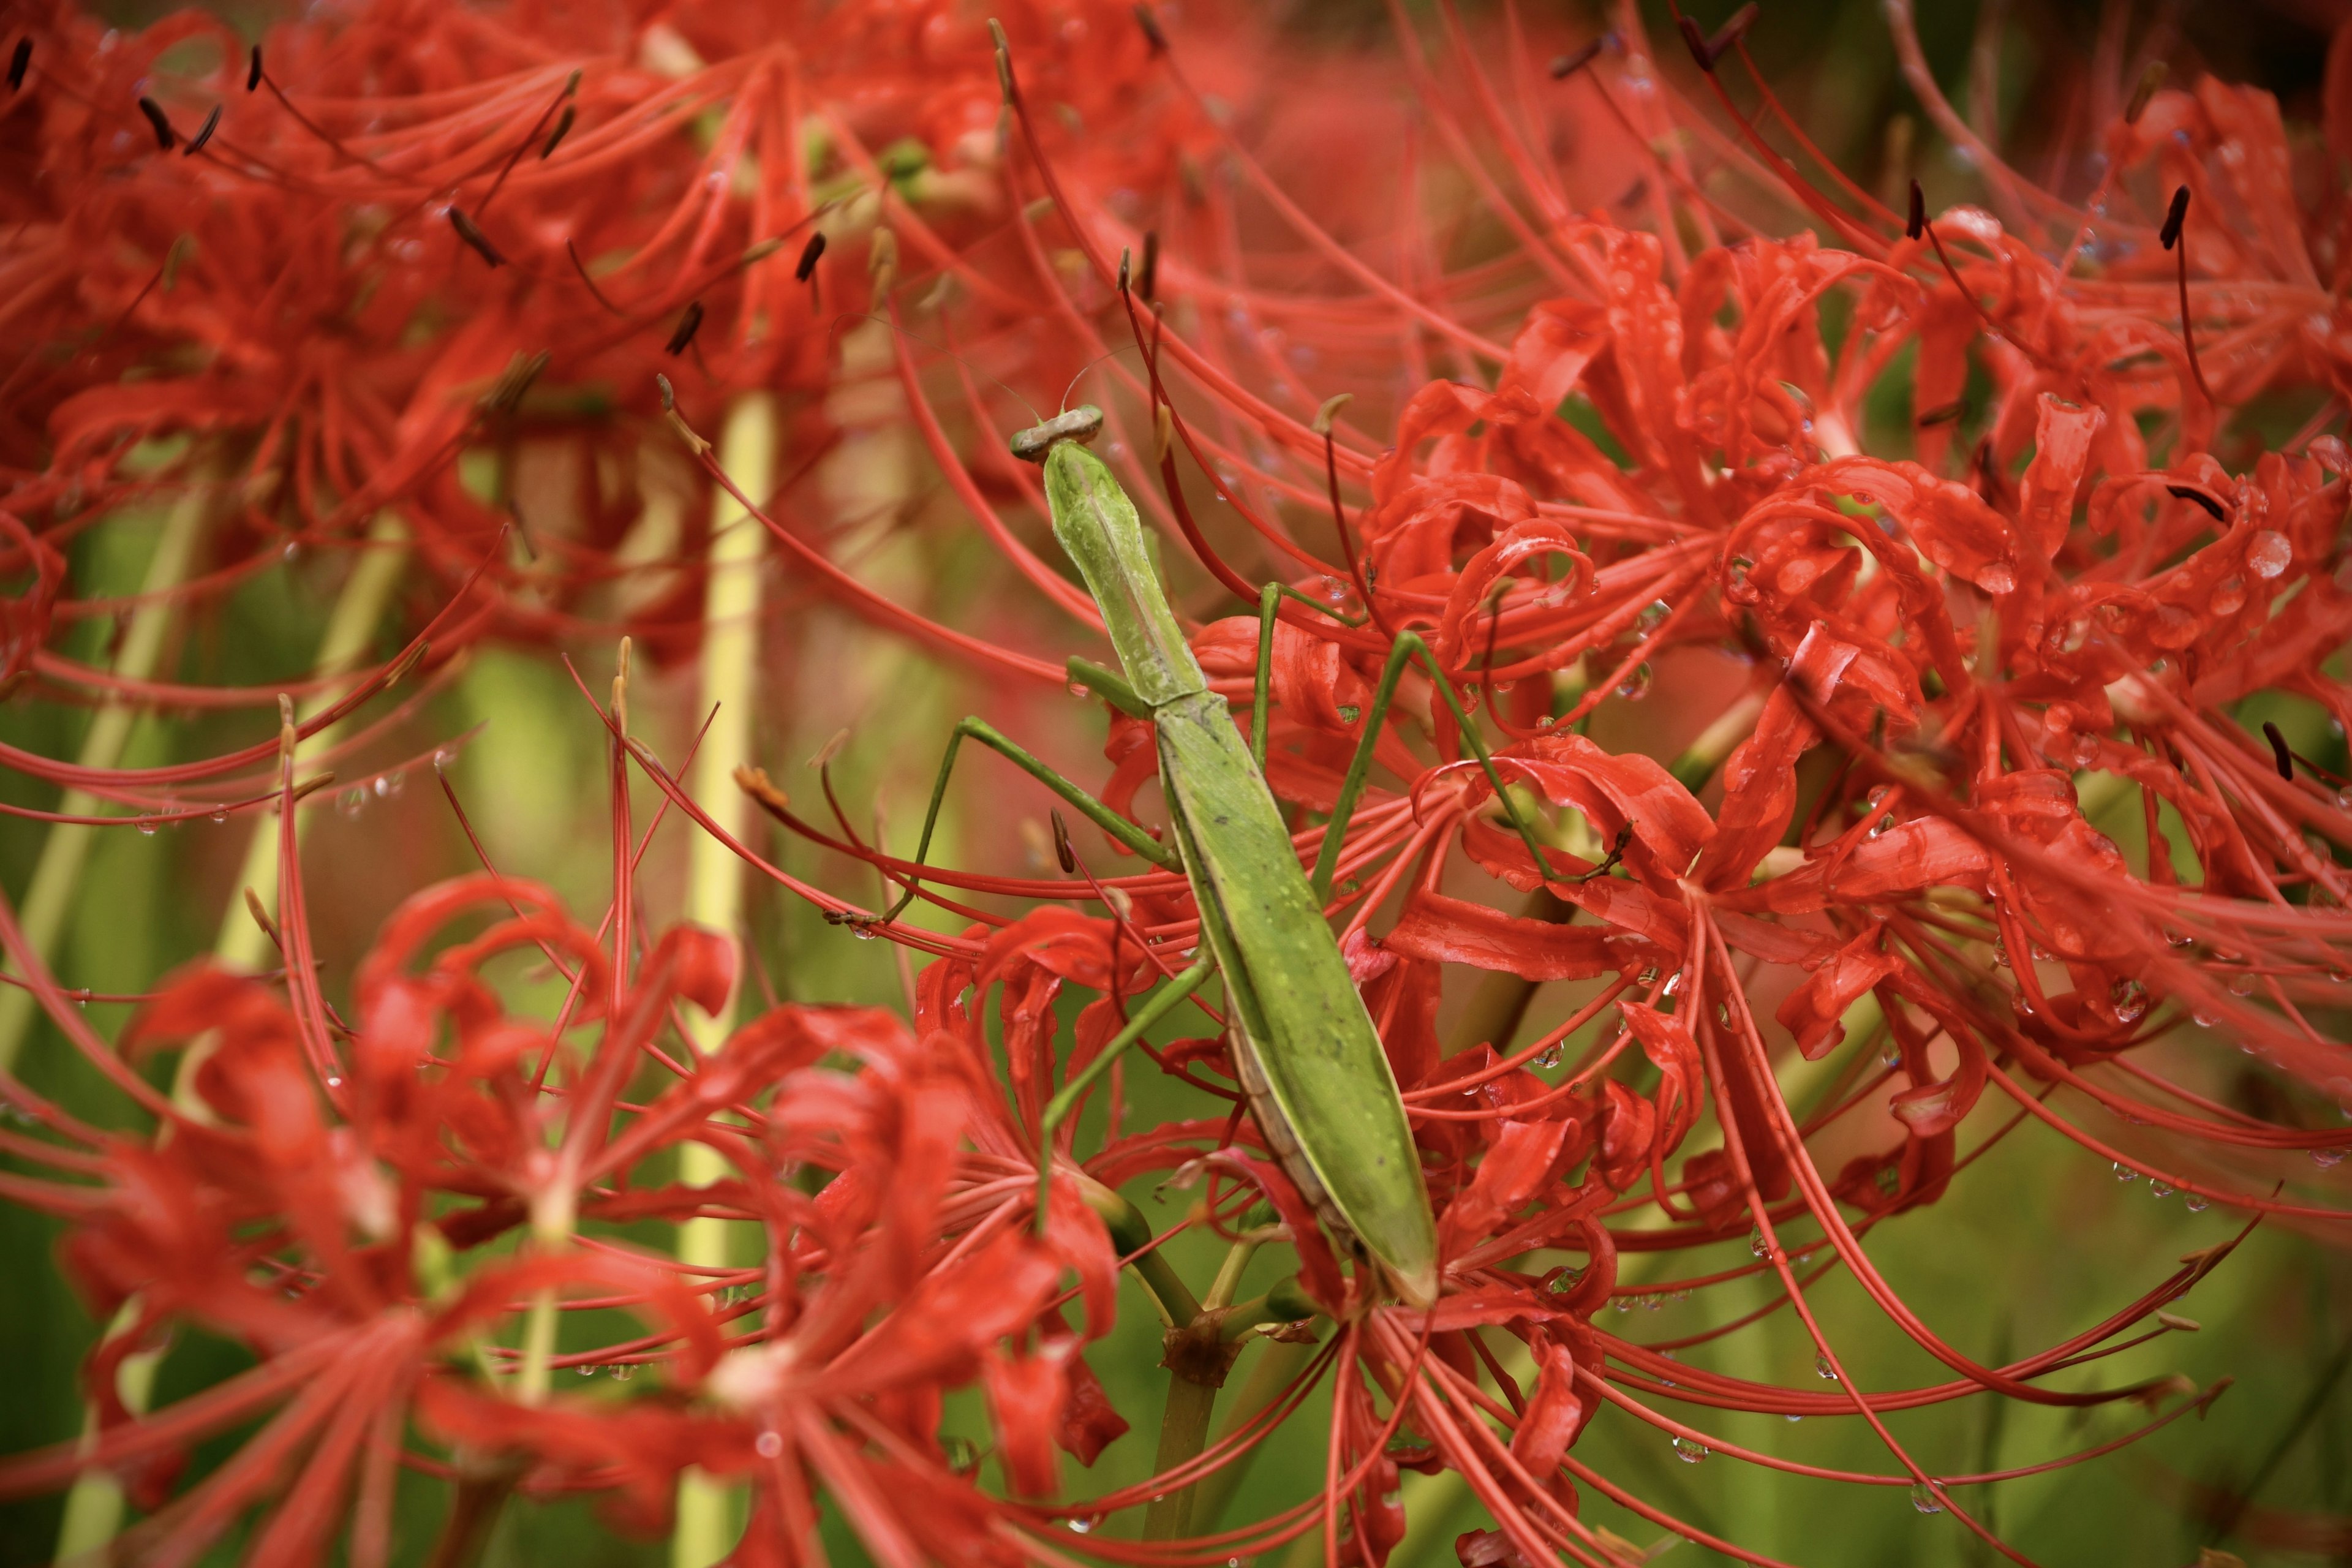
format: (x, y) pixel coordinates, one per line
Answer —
(714, 895)
(1183, 1432)
(56, 876)
(94, 1508)
(1277, 1363)
(93, 1511)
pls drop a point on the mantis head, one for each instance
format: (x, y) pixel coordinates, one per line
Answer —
(1081, 425)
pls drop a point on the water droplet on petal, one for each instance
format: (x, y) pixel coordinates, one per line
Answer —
(587, 1369)
(1822, 1369)
(1756, 1243)
(2125, 1173)
(1999, 577)
(2268, 553)
(1689, 1450)
(1548, 1058)
(146, 830)
(1637, 685)
(2157, 1189)
(625, 1370)
(2129, 998)
(2197, 1203)
(2228, 596)
(2327, 1159)
(354, 802)
(767, 1444)
(1794, 1419)
(1924, 1499)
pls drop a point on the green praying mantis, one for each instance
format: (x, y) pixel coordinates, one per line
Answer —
(1304, 1047)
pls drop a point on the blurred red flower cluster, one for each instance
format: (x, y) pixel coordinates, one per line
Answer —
(1594, 431)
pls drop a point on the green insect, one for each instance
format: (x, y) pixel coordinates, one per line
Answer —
(1317, 1080)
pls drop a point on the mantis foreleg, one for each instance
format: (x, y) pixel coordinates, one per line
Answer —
(1101, 816)
(1057, 1110)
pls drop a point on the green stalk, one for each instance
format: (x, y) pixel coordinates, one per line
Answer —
(714, 892)
(93, 1511)
(345, 645)
(56, 876)
(94, 1508)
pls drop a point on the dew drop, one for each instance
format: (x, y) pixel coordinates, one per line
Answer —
(624, 1371)
(1637, 685)
(2327, 1159)
(333, 1081)
(1651, 1303)
(1621, 1303)
(2157, 1189)
(354, 802)
(767, 1444)
(1084, 1524)
(2125, 1173)
(389, 786)
(2228, 596)
(2129, 998)
(2203, 1020)
(1924, 1499)
(1794, 1419)
(2196, 1203)
(861, 931)
(1999, 577)
(220, 817)
(146, 830)
(1548, 1058)
(1891, 1054)
(1756, 1243)
(1349, 713)
(2268, 553)
(1689, 1450)
(587, 1369)
(1822, 1369)
(2242, 984)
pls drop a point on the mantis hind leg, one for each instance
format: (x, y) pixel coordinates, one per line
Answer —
(1402, 651)
(1094, 810)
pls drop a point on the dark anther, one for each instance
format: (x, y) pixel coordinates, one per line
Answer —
(160, 121)
(1942, 414)
(2191, 493)
(204, 132)
(555, 138)
(253, 71)
(1062, 850)
(1568, 64)
(806, 265)
(474, 237)
(2280, 755)
(1707, 50)
(1151, 33)
(21, 57)
(1916, 224)
(1147, 284)
(688, 323)
(669, 396)
(2170, 232)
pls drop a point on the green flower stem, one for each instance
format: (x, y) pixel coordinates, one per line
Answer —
(56, 876)
(707, 1525)
(343, 647)
(94, 1508)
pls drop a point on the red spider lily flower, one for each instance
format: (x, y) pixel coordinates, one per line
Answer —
(1984, 641)
(1886, 846)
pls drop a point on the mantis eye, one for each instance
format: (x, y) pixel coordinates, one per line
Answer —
(1081, 425)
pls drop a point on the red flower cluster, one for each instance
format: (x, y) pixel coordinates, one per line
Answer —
(1935, 673)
